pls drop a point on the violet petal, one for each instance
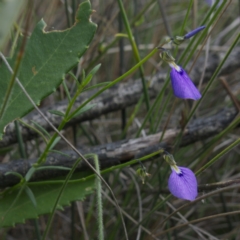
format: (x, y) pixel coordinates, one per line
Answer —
(182, 85)
(193, 32)
(183, 185)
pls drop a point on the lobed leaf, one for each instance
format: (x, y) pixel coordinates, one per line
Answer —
(43, 197)
(48, 57)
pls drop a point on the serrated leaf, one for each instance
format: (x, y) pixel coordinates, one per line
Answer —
(48, 57)
(45, 195)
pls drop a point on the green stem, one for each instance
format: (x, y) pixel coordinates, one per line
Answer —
(135, 52)
(207, 87)
(49, 223)
(20, 141)
(211, 162)
(142, 12)
(61, 126)
(67, 13)
(158, 99)
(108, 170)
(34, 129)
(200, 38)
(186, 17)
(116, 81)
(99, 199)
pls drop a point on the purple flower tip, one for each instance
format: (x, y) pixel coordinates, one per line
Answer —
(183, 184)
(182, 85)
(193, 32)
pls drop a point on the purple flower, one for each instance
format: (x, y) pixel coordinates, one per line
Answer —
(193, 32)
(182, 183)
(182, 85)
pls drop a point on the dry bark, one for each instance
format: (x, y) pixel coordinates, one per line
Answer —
(122, 151)
(118, 97)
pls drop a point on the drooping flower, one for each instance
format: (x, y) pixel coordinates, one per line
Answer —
(182, 85)
(182, 183)
(142, 173)
(193, 32)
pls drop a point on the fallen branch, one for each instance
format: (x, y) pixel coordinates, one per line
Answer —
(122, 151)
(116, 98)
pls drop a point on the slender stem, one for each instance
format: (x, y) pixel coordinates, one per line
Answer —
(138, 16)
(135, 52)
(18, 62)
(116, 81)
(20, 141)
(121, 68)
(216, 15)
(199, 220)
(67, 13)
(211, 162)
(66, 140)
(164, 16)
(73, 10)
(158, 99)
(34, 129)
(186, 17)
(206, 89)
(58, 198)
(99, 200)
(13, 203)
(24, 156)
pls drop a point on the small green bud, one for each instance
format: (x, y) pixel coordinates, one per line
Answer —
(177, 40)
(169, 159)
(166, 56)
(141, 172)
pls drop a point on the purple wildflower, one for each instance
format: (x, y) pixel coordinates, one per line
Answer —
(193, 32)
(182, 85)
(182, 183)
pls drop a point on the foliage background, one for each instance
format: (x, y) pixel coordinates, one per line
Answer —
(142, 202)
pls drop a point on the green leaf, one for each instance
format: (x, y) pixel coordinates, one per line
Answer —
(9, 11)
(29, 174)
(90, 75)
(103, 84)
(57, 139)
(84, 109)
(45, 195)
(53, 167)
(59, 152)
(31, 196)
(32, 170)
(56, 112)
(43, 130)
(15, 174)
(48, 57)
